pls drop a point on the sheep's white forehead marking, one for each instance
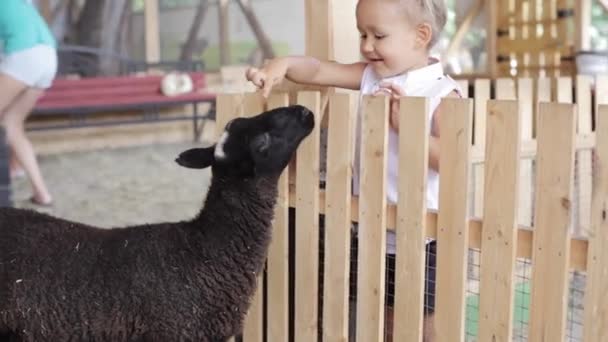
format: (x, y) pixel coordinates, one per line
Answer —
(219, 147)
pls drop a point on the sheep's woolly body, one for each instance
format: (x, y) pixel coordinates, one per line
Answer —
(161, 282)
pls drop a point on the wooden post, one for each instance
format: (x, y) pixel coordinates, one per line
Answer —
(152, 31)
(223, 15)
(491, 48)
(583, 23)
(331, 31)
(331, 34)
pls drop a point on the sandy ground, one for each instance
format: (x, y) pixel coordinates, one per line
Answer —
(116, 187)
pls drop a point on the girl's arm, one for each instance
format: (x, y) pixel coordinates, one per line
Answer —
(306, 70)
(434, 138)
(396, 92)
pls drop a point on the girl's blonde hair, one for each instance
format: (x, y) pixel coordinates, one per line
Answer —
(433, 12)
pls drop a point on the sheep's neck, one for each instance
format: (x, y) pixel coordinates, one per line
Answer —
(239, 214)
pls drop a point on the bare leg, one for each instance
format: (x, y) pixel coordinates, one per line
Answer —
(13, 120)
(11, 89)
(15, 167)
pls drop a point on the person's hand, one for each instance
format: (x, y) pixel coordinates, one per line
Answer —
(395, 92)
(272, 73)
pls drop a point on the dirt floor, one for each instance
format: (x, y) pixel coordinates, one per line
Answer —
(122, 186)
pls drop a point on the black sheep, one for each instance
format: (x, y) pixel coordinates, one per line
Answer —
(184, 281)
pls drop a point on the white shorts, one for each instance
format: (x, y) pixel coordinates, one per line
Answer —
(35, 66)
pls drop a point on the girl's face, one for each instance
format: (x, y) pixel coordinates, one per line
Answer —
(389, 43)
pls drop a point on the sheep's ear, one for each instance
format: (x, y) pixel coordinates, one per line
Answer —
(196, 158)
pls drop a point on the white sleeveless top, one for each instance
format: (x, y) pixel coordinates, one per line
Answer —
(428, 82)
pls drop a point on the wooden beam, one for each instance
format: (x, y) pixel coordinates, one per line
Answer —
(491, 47)
(583, 23)
(224, 22)
(464, 28)
(199, 16)
(331, 30)
(525, 234)
(152, 31)
(330, 35)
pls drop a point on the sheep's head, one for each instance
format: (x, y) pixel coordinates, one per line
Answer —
(254, 146)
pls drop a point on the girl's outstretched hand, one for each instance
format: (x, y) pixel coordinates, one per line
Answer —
(272, 73)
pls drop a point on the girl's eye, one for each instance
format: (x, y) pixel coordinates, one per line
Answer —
(377, 36)
(363, 36)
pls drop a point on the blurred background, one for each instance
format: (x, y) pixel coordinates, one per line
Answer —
(191, 29)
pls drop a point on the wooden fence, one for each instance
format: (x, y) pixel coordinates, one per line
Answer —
(525, 166)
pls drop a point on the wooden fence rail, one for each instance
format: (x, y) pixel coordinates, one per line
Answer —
(518, 181)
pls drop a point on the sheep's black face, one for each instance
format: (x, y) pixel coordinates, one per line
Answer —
(259, 145)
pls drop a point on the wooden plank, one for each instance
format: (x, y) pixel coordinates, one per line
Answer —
(464, 87)
(499, 233)
(278, 253)
(253, 328)
(491, 41)
(345, 40)
(411, 219)
(596, 301)
(583, 24)
(337, 219)
(452, 228)
(224, 31)
(525, 95)
(152, 36)
(372, 219)
(307, 227)
(542, 94)
(551, 245)
(482, 95)
(505, 89)
(584, 168)
(318, 29)
(229, 106)
(601, 91)
(564, 90)
(578, 257)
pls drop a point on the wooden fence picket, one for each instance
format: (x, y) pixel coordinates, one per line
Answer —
(551, 244)
(452, 227)
(307, 226)
(372, 219)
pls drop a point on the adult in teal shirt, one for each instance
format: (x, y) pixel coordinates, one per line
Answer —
(28, 65)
